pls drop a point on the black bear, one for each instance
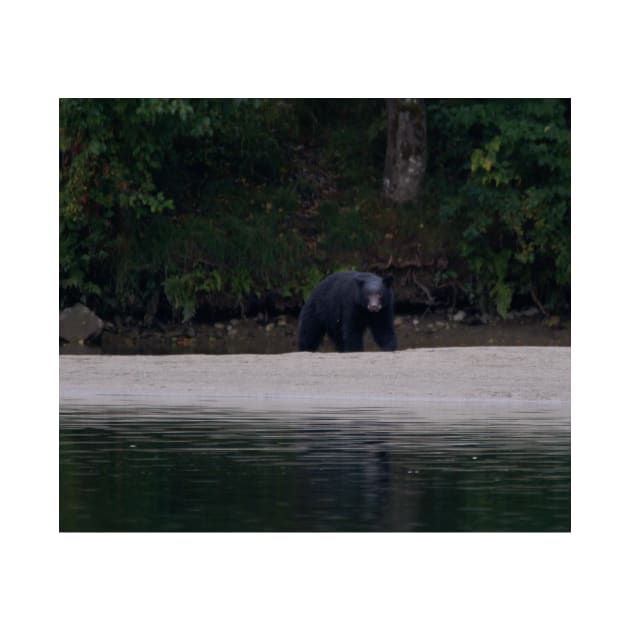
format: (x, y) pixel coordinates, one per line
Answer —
(343, 305)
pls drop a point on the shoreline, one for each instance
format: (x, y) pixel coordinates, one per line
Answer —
(278, 335)
(458, 377)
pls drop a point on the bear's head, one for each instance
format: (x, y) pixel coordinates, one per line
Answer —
(375, 291)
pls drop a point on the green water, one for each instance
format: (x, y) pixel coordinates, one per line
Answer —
(334, 471)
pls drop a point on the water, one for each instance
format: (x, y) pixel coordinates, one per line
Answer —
(360, 471)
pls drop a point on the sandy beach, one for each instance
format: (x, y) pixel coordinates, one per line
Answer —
(474, 375)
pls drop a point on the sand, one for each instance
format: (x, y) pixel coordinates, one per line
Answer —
(464, 376)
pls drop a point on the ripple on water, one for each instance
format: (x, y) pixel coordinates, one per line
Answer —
(366, 469)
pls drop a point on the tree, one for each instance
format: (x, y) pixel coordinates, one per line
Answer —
(406, 156)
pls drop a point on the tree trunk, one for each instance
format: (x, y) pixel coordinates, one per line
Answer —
(406, 157)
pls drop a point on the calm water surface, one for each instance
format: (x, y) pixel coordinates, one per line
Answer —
(365, 470)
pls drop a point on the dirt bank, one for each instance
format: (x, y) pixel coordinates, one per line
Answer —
(277, 335)
(496, 375)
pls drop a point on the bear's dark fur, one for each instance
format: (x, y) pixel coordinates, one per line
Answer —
(343, 305)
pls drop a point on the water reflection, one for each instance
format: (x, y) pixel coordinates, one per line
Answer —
(369, 470)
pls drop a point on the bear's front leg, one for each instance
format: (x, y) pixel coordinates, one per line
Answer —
(384, 335)
(352, 337)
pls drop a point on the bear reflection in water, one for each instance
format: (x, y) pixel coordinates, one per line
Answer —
(343, 305)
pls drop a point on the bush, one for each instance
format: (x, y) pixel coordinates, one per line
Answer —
(187, 203)
(502, 172)
(165, 195)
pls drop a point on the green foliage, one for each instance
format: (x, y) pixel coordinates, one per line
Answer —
(185, 291)
(503, 179)
(202, 201)
(162, 194)
(313, 277)
(344, 228)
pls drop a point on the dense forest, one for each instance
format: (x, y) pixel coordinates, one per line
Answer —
(172, 209)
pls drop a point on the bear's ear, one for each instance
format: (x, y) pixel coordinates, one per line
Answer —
(388, 281)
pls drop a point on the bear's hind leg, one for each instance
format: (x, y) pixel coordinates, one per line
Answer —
(310, 335)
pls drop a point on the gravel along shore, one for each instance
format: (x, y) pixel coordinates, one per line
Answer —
(472, 375)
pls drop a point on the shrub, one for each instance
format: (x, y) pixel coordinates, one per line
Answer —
(502, 172)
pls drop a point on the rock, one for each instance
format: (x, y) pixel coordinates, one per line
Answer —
(552, 322)
(398, 321)
(415, 321)
(219, 326)
(478, 319)
(532, 311)
(459, 316)
(270, 326)
(78, 323)
(77, 347)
